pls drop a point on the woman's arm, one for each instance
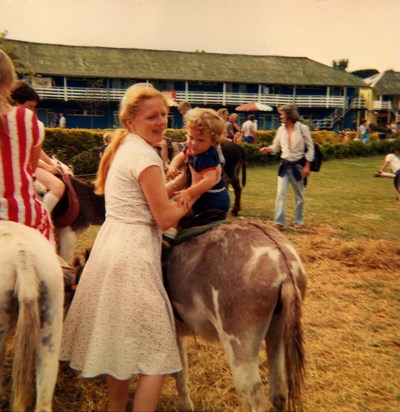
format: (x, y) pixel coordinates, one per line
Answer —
(35, 155)
(166, 213)
(176, 184)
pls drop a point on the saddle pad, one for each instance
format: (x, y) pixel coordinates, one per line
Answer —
(70, 214)
(188, 233)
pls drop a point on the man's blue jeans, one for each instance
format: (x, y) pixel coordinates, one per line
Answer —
(280, 204)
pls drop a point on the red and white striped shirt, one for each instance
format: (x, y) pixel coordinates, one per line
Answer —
(18, 202)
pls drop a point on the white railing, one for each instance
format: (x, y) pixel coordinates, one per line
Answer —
(270, 99)
(358, 103)
(322, 124)
(80, 93)
(203, 98)
(381, 105)
(339, 113)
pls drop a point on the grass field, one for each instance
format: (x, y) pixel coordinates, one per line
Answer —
(344, 199)
(344, 195)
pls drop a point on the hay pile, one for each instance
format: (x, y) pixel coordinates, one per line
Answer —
(351, 319)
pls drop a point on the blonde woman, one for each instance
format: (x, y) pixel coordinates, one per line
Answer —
(120, 322)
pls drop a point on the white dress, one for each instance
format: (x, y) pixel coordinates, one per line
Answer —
(120, 322)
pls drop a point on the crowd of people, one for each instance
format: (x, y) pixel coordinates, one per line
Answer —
(121, 322)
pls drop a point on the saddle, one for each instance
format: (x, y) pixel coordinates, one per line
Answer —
(194, 226)
(198, 224)
(67, 209)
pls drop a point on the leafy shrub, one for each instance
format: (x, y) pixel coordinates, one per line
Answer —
(265, 137)
(255, 158)
(87, 162)
(325, 136)
(80, 147)
(67, 143)
(177, 135)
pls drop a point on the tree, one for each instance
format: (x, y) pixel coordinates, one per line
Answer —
(341, 64)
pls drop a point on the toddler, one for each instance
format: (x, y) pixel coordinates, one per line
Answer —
(204, 131)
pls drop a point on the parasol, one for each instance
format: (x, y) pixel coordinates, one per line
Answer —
(254, 107)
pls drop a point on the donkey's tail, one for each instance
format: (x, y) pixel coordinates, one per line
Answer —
(27, 330)
(292, 300)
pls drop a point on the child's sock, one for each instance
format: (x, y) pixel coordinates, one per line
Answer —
(50, 201)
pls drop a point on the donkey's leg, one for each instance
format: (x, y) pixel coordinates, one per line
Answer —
(181, 378)
(276, 362)
(238, 193)
(242, 352)
(51, 304)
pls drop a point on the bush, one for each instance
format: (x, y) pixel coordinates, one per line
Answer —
(86, 163)
(67, 143)
(325, 136)
(81, 147)
(265, 137)
(177, 135)
(255, 158)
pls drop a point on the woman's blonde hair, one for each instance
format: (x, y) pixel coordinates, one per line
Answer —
(7, 79)
(208, 121)
(129, 108)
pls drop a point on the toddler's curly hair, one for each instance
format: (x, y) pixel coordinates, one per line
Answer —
(208, 121)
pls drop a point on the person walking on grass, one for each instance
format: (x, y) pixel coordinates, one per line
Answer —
(293, 140)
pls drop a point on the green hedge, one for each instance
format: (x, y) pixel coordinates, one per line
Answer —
(80, 147)
(77, 147)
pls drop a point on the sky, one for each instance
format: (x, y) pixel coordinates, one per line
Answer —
(366, 32)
